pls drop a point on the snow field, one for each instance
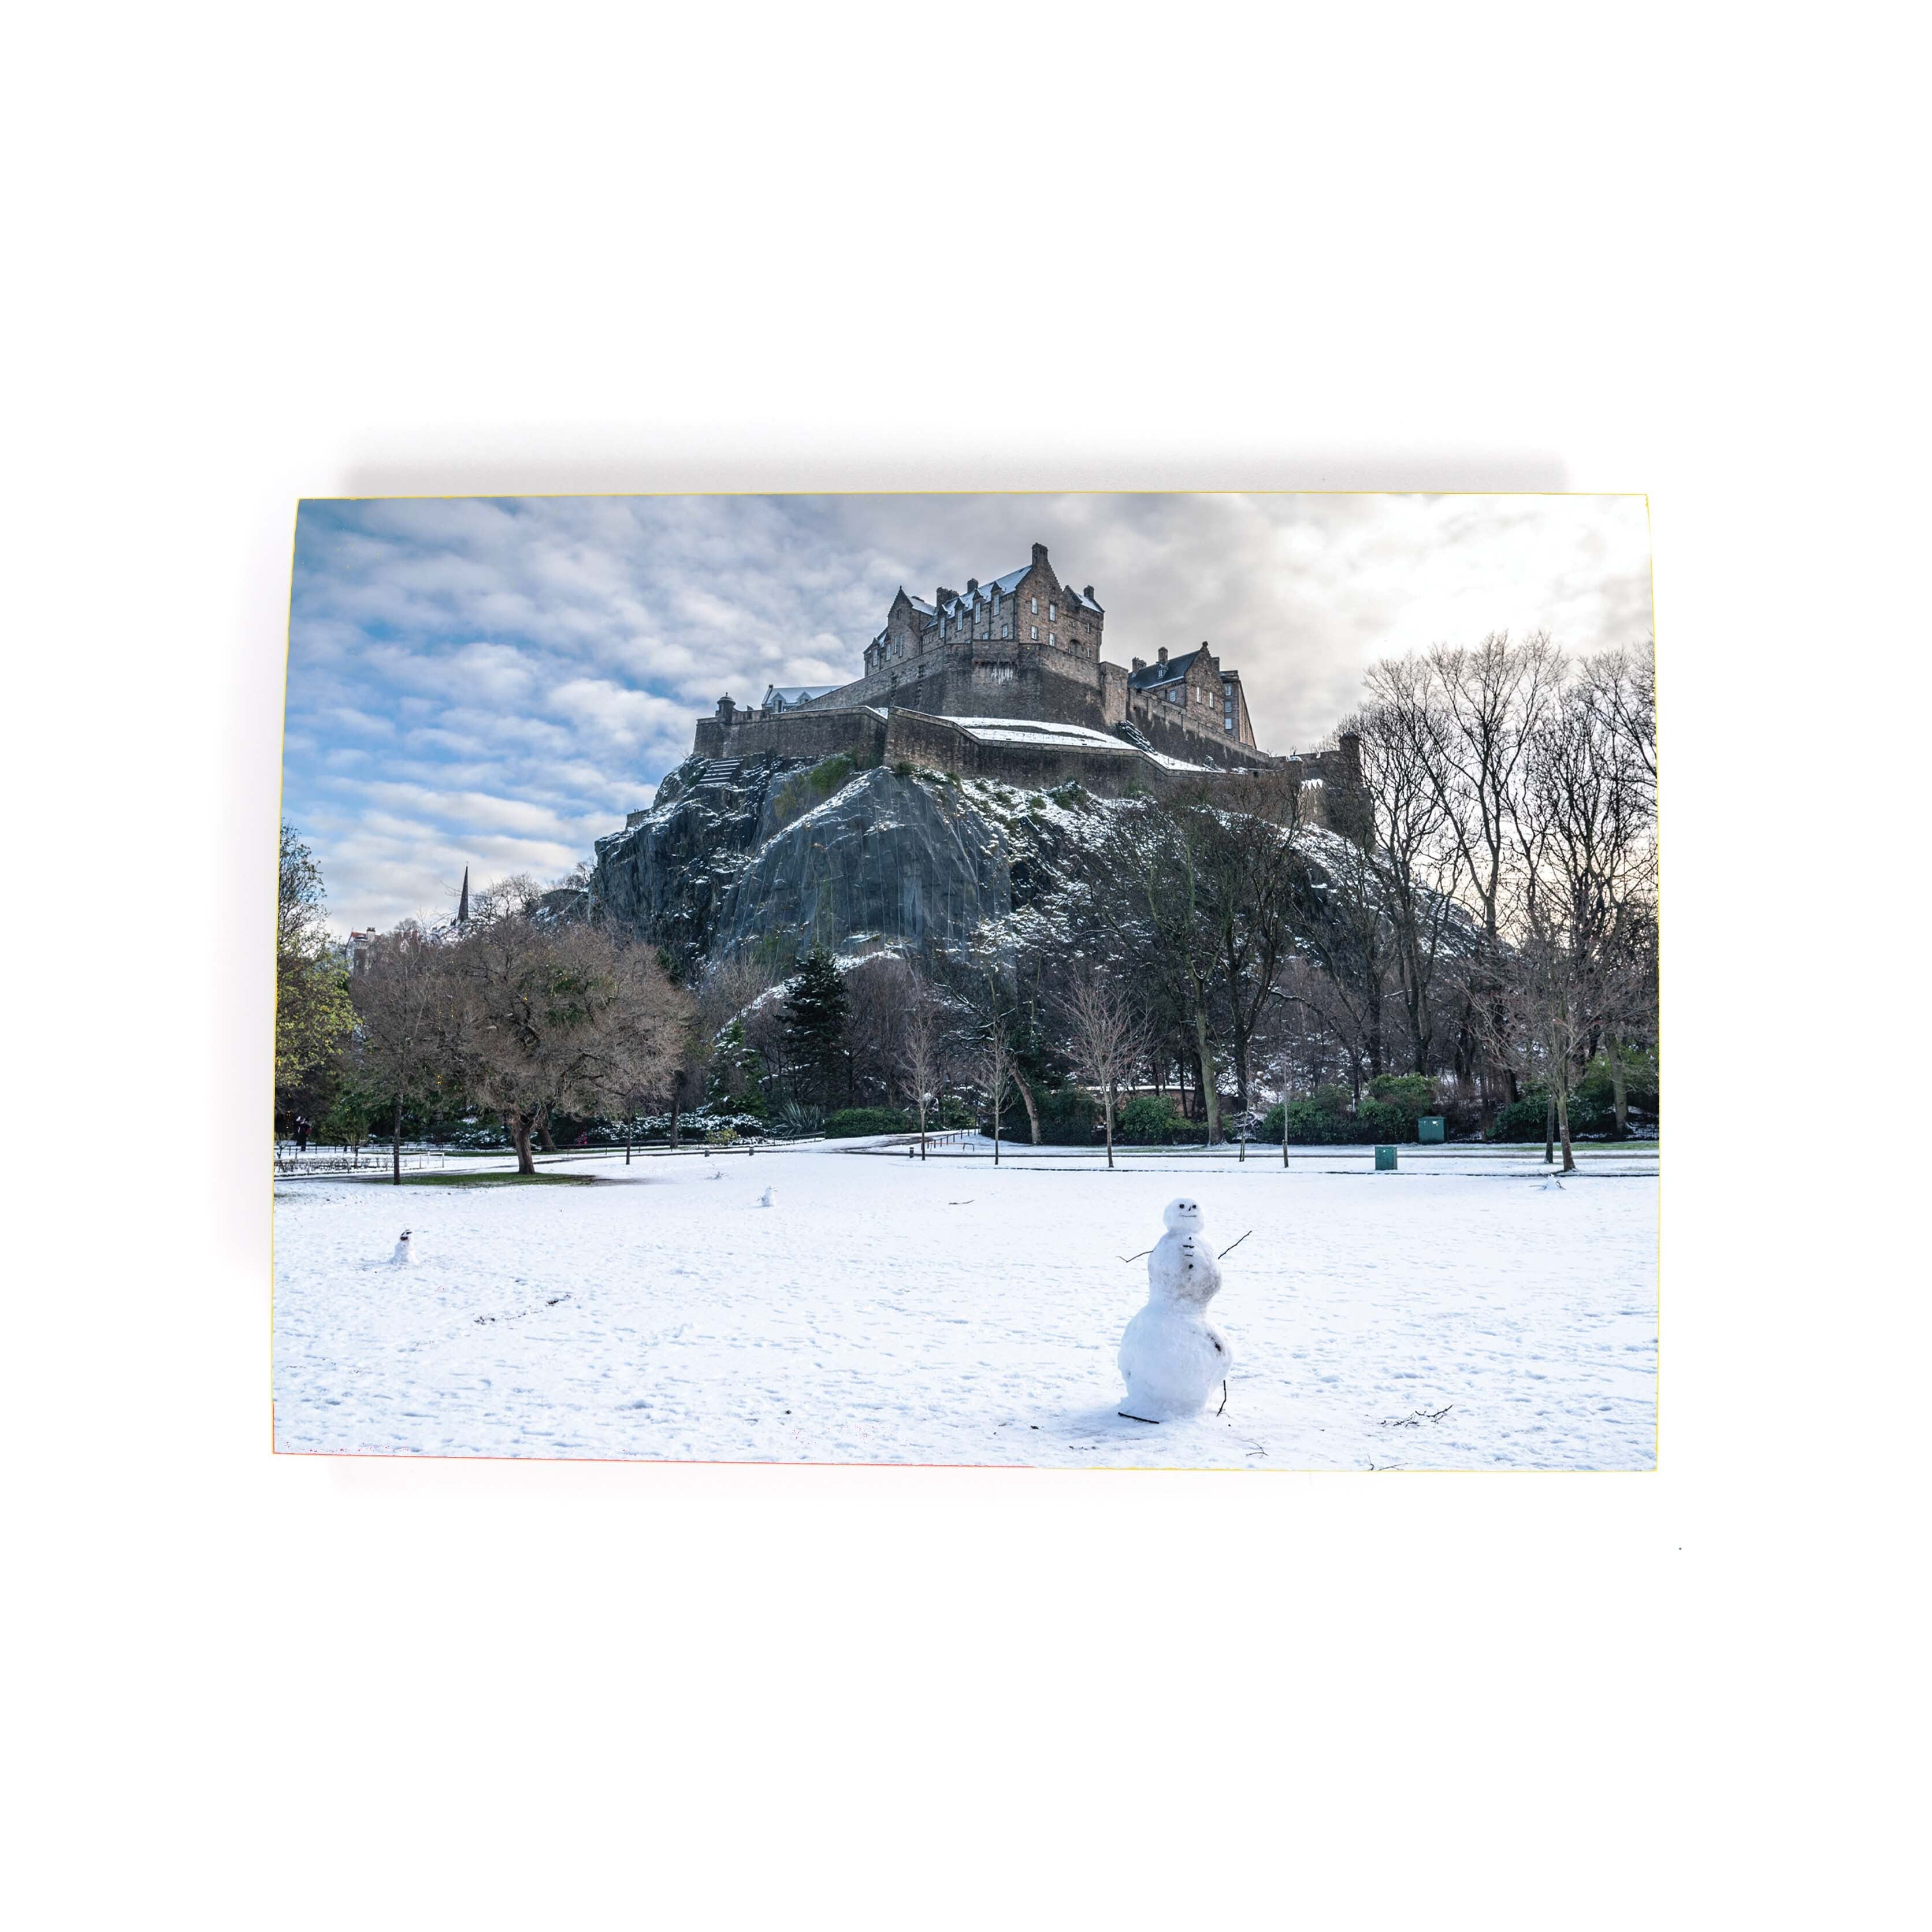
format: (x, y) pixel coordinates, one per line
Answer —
(886, 1310)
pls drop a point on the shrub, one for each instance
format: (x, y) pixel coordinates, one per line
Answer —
(1321, 1119)
(797, 1117)
(1415, 1093)
(849, 1122)
(1147, 1120)
(1071, 1118)
(1596, 1090)
(1151, 1120)
(903, 770)
(1524, 1120)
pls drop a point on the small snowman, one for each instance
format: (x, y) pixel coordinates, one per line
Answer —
(765, 1199)
(405, 1254)
(1172, 1357)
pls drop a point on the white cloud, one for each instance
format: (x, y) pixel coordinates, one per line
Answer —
(492, 682)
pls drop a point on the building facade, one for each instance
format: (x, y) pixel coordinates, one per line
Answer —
(1027, 646)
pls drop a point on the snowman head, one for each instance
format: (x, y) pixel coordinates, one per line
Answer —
(1183, 1215)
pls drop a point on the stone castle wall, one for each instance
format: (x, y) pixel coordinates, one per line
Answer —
(999, 678)
(1325, 784)
(859, 733)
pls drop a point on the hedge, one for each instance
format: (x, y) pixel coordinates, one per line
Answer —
(849, 1122)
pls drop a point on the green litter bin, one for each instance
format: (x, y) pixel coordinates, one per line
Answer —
(1385, 1160)
(1429, 1127)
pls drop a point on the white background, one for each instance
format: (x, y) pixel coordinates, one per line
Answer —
(257, 254)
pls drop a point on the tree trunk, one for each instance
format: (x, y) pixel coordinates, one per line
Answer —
(520, 1124)
(1033, 1111)
(996, 1127)
(396, 1144)
(627, 1141)
(1563, 1123)
(1210, 1100)
(1107, 1112)
(1549, 1125)
(1619, 1093)
(922, 1126)
(675, 1110)
(543, 1127)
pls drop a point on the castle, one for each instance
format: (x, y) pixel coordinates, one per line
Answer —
(1005, 680)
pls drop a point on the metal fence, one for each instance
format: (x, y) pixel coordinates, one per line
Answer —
(292, 1160)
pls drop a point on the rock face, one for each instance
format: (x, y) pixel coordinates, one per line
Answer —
(725, 863)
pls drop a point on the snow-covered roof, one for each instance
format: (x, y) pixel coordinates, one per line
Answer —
(1162, 759)
(1057, 737)
(1000, 586)
(1150, 675)
(1030, 727)
(781, 697)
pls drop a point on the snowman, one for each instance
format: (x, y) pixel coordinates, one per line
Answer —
(1172, 1356)
(765, 1199)
(405, 1255)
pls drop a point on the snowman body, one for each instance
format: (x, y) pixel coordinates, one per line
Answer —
(405, 1254)
(1172, 1357)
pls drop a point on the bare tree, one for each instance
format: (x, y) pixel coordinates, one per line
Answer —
(547, 1016)
(1106, 1037)
(924, 1036)
(1412, 843)
(880, 990)
(1580, 948)
(1143, 888)
(1485, 707)
(402, 1006)
(995, 1066)
(1252, 865)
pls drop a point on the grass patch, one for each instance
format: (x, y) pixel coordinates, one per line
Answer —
(496, 1180)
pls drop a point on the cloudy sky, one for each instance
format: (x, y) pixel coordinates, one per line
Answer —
(495, 682)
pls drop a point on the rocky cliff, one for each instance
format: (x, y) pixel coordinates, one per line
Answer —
(775, 857)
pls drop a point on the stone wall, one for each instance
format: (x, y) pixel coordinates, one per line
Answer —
(859, 733)
(999, 678)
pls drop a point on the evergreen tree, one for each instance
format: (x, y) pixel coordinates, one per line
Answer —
(814, 1027)
(313, 1016)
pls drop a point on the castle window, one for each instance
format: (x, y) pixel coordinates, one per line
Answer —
(1032, 630)
(1052, 613)
(1051, 639)
(1034, 601)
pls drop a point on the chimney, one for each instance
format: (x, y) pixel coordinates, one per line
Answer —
(1162, 654)
(1140, 663)
(1087, 593)
(1039, 555)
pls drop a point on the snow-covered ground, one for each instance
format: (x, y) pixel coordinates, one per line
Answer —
(888, 1310)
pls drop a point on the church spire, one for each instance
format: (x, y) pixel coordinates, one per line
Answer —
(463, 903)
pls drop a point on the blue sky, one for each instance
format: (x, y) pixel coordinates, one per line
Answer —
(495, 681)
